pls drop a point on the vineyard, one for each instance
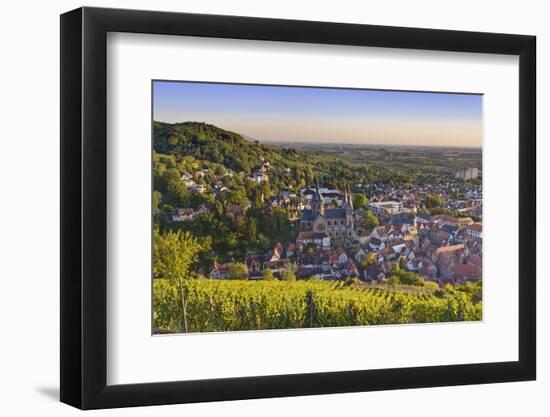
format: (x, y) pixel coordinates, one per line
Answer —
(226, 305)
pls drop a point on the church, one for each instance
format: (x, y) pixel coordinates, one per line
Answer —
(337, 223)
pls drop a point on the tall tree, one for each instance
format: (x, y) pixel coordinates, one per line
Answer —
(173, 255)
(289, 273)
(370, 220)
(360, 201)
(433, 201)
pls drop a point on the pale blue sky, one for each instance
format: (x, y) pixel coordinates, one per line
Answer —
(305, 114)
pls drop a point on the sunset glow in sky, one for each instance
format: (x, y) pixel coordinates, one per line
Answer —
(328, 115)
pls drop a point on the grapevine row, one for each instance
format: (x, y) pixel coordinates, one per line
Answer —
(213, 305)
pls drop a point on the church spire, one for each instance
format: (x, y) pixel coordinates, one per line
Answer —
(321, 200)
(349, 210)
(318, 203)
(345, 195)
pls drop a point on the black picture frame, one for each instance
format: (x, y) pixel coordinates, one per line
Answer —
(84, 207)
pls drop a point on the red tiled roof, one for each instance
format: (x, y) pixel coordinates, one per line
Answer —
(471, 271)
(447, 249)
(475, 260)
(476, 227)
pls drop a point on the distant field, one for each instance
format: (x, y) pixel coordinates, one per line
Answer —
(225, 305)
(442, 160)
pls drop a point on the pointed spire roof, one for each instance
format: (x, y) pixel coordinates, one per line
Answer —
(317, 196)
(345, 194)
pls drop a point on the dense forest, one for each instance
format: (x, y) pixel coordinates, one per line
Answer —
(290, 169)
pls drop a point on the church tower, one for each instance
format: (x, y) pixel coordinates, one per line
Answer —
(317, 203)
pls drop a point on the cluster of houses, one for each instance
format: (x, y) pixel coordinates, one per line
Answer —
(191, 184)
(333, 240)
(465, 197)
(323, 264)
(440, 248)
(262, 173)
(187, 214)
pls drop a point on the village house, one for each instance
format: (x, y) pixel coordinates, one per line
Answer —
(386, 207)
(182, 214)
(198, 188)
(276, 260)
(187, 179)
(454, 250)
(328, 195)
(258, 177)
(374, 272)
(445, 265)
(475, 231)
(274, 254)
(286, 196)
(463, 273)
(422, 266)
(450, 229)
(202, 173)
(446, 219)
(376, 244)
(475, 260)
(348, 270)
(342, 257)
(474, 210)
(422, 219)
(314, 264)
(361, 235)
(382, 233)
(261, 174)
(255, 264)
(277, 266)
(317, 239)
(235, 209)
(223, 189)
(220, 271)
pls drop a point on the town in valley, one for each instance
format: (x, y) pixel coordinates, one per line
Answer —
(326, 212)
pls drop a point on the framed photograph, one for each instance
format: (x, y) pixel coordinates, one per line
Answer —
(256, 208)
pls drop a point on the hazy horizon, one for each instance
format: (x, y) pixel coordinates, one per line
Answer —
(337, 116)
